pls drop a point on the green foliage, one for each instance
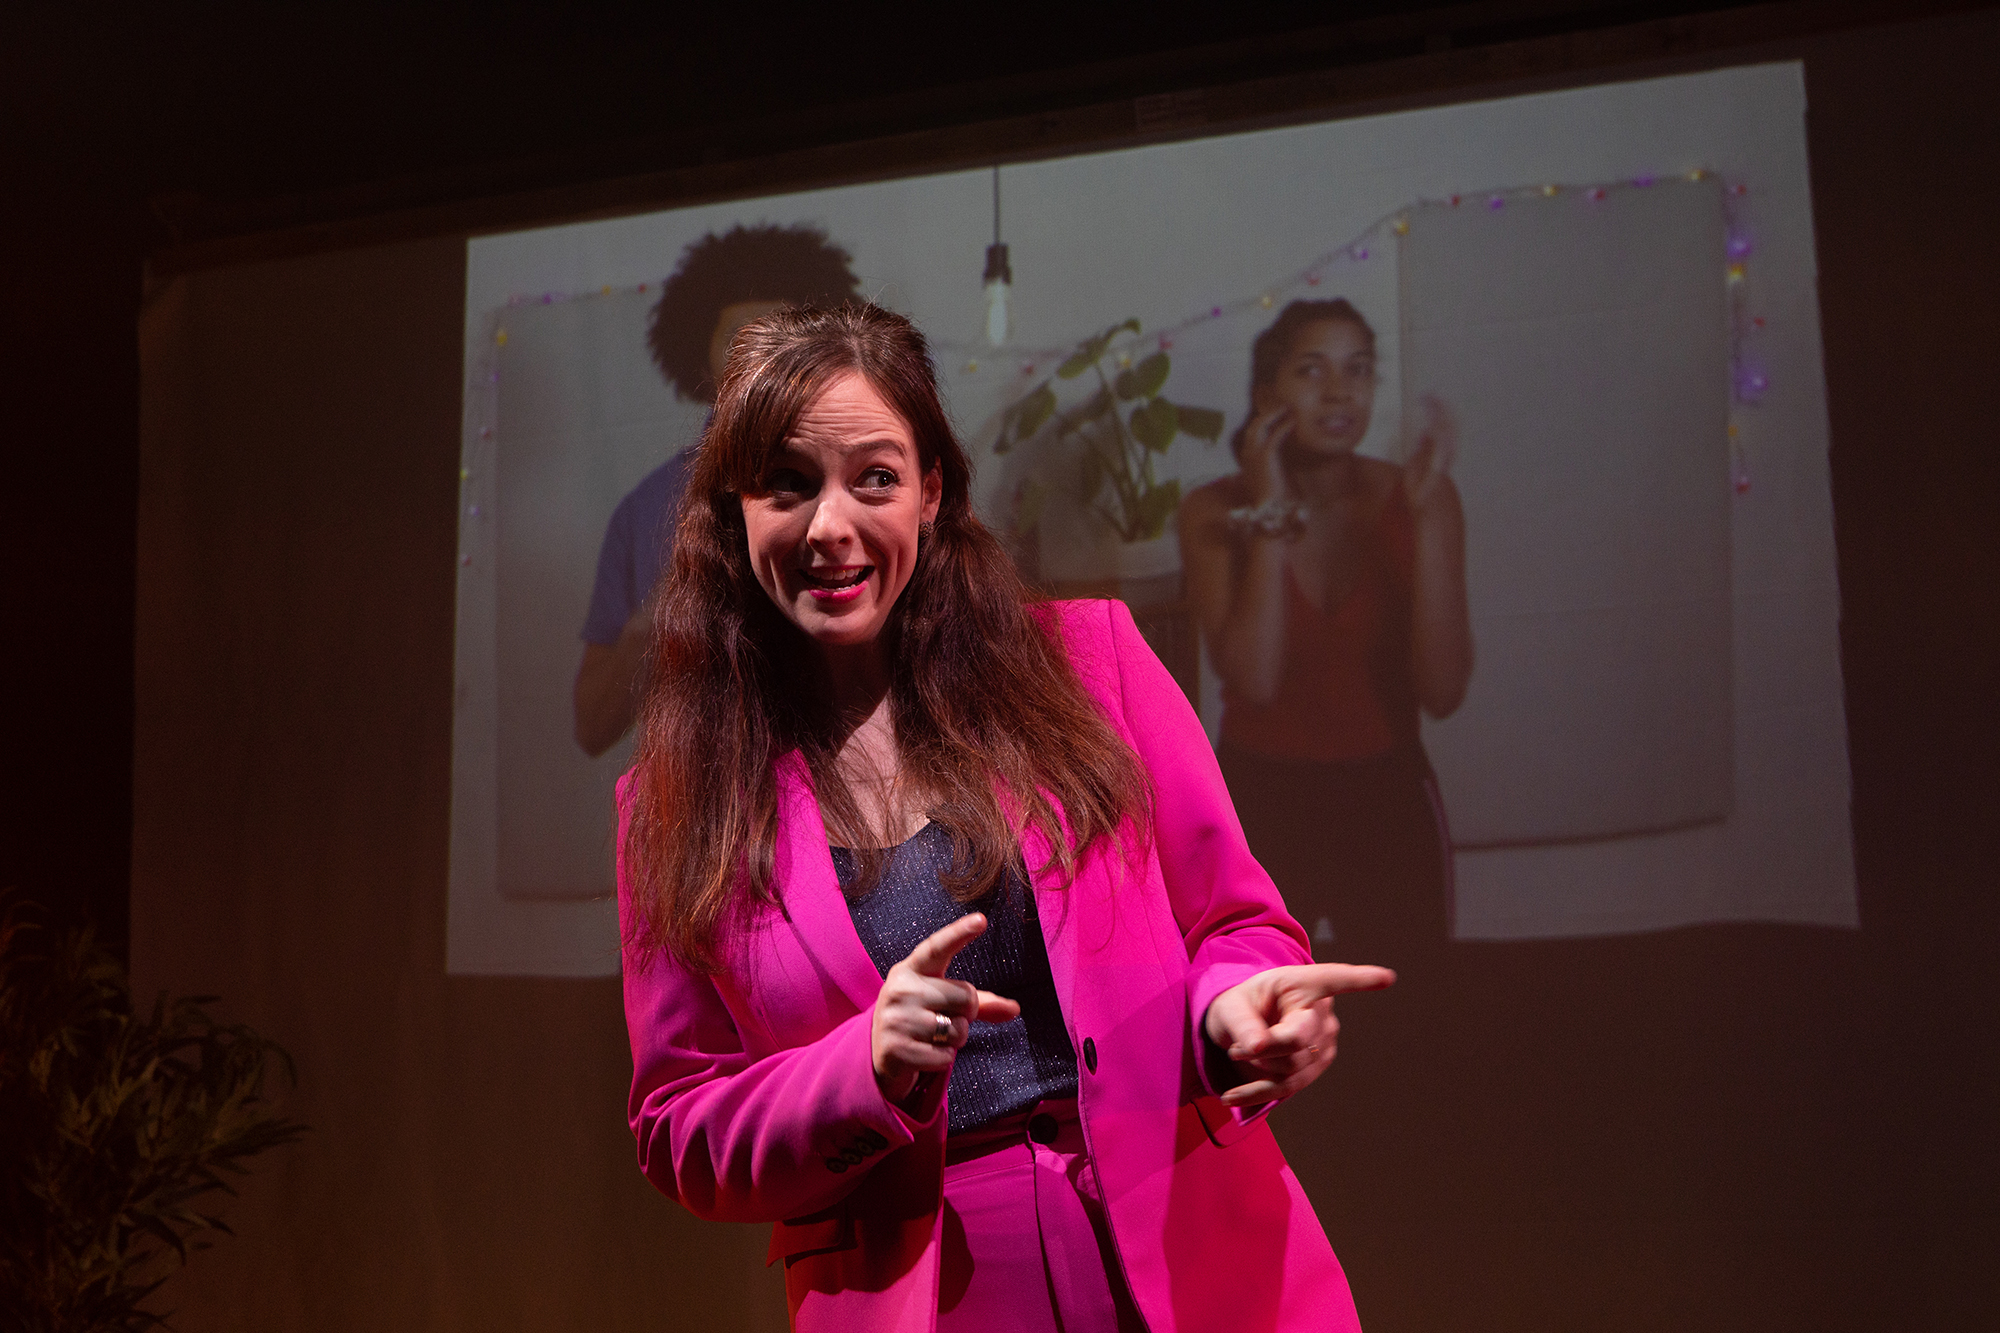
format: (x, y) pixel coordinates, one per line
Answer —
(1145, 379)
(113, 1130)
(1155, 423)
(1203, 423)
(1118, 448)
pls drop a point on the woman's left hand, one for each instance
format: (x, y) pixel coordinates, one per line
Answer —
(1427, 468)
(1279, 1029)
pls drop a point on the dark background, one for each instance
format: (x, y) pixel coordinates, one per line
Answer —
(1837, 1091)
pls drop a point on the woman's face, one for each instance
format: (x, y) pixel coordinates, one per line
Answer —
(833, 528)
(1325, 385)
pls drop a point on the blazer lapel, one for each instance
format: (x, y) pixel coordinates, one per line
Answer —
(810, 892)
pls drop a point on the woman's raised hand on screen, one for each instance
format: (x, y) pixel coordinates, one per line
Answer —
(1427, 469)
(908, 1037)
(1278, 1027)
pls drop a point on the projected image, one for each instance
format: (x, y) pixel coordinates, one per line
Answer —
(1430, 487)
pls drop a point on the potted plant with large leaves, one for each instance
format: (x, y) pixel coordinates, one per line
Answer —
(1118, 429)
(115, 1128)
(1114, 433)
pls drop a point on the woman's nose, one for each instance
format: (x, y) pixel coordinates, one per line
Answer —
(831, 524)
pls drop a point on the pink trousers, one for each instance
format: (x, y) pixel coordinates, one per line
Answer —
(1026, 1248)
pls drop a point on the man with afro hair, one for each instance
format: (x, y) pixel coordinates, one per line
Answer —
(721, 283)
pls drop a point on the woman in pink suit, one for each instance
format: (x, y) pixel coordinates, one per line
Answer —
(943, 948)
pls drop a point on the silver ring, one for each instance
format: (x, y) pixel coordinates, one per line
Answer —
(941, 1035)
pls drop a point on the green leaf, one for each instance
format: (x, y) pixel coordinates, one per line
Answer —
(1033, 411)
(1155, 424)
(1149, 376)
(1091, 350)
(1204, 423)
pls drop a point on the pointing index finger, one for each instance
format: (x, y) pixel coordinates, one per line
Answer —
(934, 955)
(1323, 981)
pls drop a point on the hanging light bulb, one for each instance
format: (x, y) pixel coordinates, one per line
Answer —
(999, 277)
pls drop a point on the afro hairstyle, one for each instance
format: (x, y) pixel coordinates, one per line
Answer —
(796, 264)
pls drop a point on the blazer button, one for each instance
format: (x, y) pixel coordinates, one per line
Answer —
(1042, 1128)
(1090, 1055)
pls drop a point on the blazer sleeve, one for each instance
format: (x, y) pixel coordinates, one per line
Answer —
(740, 1138)
(1231, 916)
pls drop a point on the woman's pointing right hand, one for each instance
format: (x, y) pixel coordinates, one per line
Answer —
(922, 1016)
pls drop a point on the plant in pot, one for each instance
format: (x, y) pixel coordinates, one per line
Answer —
(115, 1130)
(1114, 434)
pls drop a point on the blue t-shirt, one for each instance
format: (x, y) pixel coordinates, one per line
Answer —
(636, 544)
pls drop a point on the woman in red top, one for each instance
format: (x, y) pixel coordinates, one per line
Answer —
(1331, 593)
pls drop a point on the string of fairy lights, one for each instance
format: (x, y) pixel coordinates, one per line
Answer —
(1750, 380)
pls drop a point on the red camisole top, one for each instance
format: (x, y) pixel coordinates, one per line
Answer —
(1346, 690)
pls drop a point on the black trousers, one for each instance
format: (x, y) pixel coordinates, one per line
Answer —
(1358, 849)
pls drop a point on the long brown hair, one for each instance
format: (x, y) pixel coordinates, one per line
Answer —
(994, 729)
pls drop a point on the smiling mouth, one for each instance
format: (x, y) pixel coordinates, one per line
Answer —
(837, 578)
(834, 582)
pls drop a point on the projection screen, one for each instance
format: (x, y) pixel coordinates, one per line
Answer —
(1609, 291)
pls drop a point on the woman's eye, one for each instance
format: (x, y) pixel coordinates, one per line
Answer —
(787, 481)
(878, 478)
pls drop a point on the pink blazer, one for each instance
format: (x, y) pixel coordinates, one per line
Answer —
(754, 1097)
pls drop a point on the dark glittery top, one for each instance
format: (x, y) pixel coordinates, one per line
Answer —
(1003, 1068)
